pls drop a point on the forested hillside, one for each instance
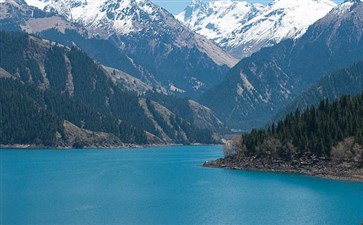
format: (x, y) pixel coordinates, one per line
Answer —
(33, 116)
(70, 85)
(316, 131)
(322, 141)
(23, 121)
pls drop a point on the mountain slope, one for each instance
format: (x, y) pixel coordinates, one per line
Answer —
(242, 28)
(174, 56)
(348, 81)
(195, 113)
(259, 86)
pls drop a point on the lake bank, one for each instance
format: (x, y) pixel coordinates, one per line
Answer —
(312, 167)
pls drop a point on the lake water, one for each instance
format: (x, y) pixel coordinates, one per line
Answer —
(165, 186)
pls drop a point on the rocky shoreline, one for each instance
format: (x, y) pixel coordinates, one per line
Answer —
(319, 167)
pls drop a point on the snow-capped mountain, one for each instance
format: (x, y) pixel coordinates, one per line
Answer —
(218, 19)
(178, 58)
(104, 18)
(257, 26)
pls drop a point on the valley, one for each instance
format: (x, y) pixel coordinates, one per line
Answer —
(130, 73)
(212, 112)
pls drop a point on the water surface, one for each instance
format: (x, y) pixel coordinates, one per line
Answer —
(163, 186)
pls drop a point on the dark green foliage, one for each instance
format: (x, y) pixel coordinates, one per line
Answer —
(97, 103)
(22, 121)
(66, 108)
(56, 69)
(93, 87)
(12, 47)
(316, 130)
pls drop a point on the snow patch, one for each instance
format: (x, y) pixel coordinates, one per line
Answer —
(246, 83)
(173, 88)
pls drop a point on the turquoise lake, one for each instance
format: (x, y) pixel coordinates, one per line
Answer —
(165, 186)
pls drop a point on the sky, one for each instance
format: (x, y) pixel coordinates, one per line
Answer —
(176, 6)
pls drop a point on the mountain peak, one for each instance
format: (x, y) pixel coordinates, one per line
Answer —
(218, 18)
(196, 2)
(347, 6)
(353, 1)
(242, 28)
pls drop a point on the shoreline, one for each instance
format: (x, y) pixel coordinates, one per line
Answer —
(320, 169)
(70, 148)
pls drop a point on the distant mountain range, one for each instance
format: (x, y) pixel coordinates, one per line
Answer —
(242, 28)
(260, 86)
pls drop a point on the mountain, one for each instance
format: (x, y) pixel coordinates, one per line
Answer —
(16, 15)
(242, 28)
(348, 81)
(66, 83)
(144, 36)
(260, 86)
(216, 20)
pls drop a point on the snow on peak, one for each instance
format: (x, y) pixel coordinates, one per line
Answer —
(282, 19)
(104, 17)
(348, 4)
(243, 28)
(139, 18)
(216, 19)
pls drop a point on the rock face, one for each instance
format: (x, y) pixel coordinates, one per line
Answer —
(242, 28)
(204, 118)
(261, 85)
(81, 138)
(154, 45)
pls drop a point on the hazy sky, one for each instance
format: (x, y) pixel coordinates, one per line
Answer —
(175, 6)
